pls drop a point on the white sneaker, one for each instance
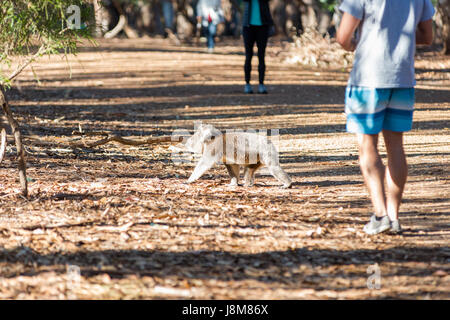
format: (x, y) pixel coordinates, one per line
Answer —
(395, 226)
(376, 226)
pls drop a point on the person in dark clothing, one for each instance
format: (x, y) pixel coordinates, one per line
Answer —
(256, 26)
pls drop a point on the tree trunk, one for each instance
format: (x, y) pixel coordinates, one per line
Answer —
(444, 9)
(294, 19)
(18, 139)
(324, 21)
(309, 17)
(98, 19)
(278, 8)
(145, 18)
(122, 25)
(2, 140)
(157, 17)
(185, 20)
(102, 18)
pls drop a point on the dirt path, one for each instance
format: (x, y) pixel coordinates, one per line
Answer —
(124, 218)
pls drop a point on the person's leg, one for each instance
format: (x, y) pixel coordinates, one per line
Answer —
(209, 38)
(396, 172)
(157, 15)
(373, 171)
(398, 119)
(167, 9)
(261, 42)
(212, 28)
(249, 41)
(366, 109)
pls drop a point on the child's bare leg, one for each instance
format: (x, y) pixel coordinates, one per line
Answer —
(373, 171)
(396, 173)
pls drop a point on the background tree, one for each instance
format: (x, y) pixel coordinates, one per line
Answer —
(443, 8)
(292, 17)
(145, 17)
(29, 30)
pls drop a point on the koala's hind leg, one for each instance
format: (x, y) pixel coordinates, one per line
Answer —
(281, 175)
(233, 171)
(249, 173)
(202, 166)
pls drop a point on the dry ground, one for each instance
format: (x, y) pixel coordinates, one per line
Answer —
(125, 219)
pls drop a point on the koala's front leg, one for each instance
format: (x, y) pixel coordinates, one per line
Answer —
(202, 166)
(281, 175)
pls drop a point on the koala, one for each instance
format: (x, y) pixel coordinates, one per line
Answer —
(235, 150)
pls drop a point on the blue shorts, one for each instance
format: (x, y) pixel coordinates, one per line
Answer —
(371, 110)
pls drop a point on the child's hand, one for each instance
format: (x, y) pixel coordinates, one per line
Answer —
(424, 32)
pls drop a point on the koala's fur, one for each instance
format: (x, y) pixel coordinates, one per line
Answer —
(235, 150)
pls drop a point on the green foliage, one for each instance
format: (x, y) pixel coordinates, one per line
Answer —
(328, 4)
(26, 25)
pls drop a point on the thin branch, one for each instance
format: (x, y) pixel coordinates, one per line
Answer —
(30, 59)
(125, 141)
(18, 139)
(107, 138)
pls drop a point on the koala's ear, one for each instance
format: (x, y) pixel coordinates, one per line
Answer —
(198, 127)
(208, 135)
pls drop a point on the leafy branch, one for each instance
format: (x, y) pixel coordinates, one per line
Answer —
(24, 26)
